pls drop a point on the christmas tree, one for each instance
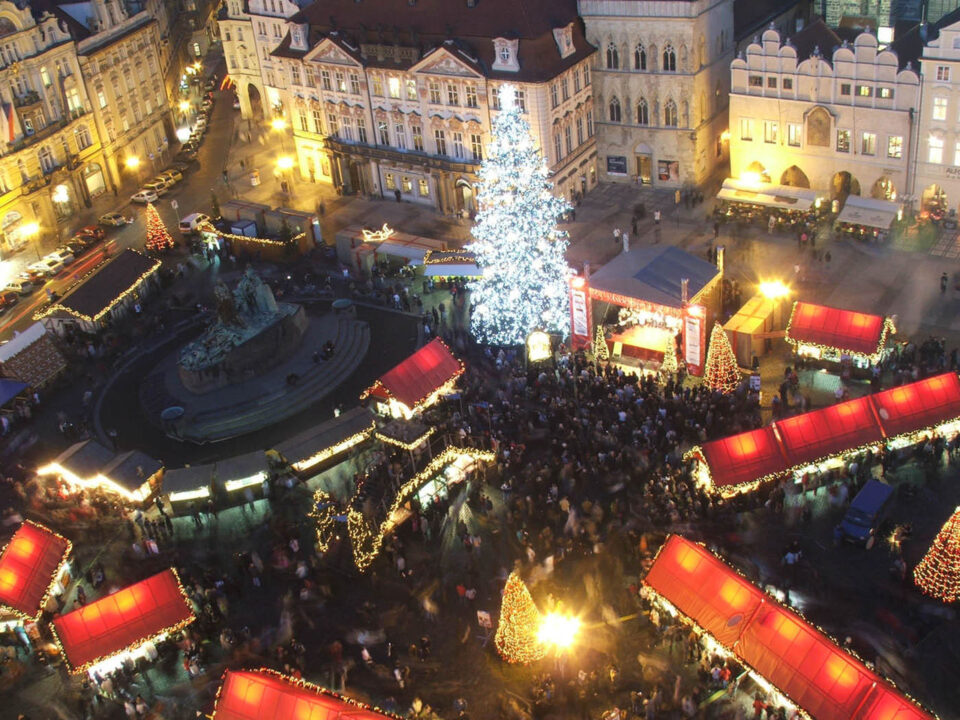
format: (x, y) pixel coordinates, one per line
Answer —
(600, 349)
(938, 574)
(517, 243)
(669, 365)
(519, 624)
(158, 239)
(721, 372)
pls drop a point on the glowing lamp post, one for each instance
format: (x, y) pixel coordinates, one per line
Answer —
(132, 163)
(285, 164)
(280, 125)
(560, 632)
(776, 291)
(31, 231)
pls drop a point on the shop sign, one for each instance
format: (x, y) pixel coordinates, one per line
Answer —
(616, 165)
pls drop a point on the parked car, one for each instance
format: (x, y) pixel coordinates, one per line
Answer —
(61, 254)
(49, 266)
(172, 176)
(8, 298)
(76, 247)
(19, 286)
(181, 168)
(113, 219)
(93, 231)
(189, 223)
(34, 277)
(158, 187)
(186, 156)
(144, 196)
(868, 509)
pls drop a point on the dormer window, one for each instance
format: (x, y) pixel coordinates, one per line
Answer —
(505, 55)
(564, 39)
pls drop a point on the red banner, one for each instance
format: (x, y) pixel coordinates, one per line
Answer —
(581, 320)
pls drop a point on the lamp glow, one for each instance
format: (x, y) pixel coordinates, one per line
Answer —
(774, 289)
(184, 105)
(30, 229)
(132, 162)
(558, 630)
(278, 124)
(284, 162)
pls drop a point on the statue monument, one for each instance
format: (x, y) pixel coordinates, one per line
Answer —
(251, 334)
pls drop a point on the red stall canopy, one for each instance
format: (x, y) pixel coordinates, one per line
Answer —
(28, 568)
(845, 330)
(123, 620)
(831, 430)
(801, 662)
(268, 695)
(745, 457)
(417, 377)
(919, 405)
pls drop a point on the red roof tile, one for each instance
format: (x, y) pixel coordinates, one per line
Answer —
(427, 370)
(843, 329)
(28, 567)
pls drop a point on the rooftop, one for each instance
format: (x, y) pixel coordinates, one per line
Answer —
(654, 274)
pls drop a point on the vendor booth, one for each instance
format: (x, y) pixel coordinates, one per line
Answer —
(451, 264)
(235, 474)
(837, 336)
(361, 248)
(34, 570)
(88, 465)
(751, 330)
(644, 299)
(32, 357)
(800, 665)
(308, 451)
(750, 202)
(101, 635)
(866, 218)
(189, 487)
(417, 382)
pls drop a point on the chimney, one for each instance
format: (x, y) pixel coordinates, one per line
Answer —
(685, 290)
(720, 253)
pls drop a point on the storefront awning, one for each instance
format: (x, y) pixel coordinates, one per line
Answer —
(419, 376)
(781, 197)
(28, 568)
(452, 270)
(869, 212)
(120, 621)
(847, 331)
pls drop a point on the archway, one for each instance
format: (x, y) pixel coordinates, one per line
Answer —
(933, 198)
(795, 177)
(256, 102)
(844, 184)
(755, 172)
(883, 189)
(465, 201)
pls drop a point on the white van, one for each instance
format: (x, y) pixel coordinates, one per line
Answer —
(190, 223)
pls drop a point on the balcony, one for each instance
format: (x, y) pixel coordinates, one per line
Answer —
(31, 97)
(380, 152)
(41, 134)
(34, 184)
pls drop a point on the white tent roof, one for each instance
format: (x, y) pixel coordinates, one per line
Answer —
(22, 341)
(869, 212)
(452, 270)
(413, 253)
(782, 197)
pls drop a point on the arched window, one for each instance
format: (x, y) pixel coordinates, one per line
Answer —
(640, 57)
(670, 114)
(669, 59)
(613, 57)
(643, 112)
(615, 110)
(84, 140)
(45, 156)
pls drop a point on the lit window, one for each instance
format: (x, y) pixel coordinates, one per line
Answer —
(794, 134)
(377, 86)
(424, 186)
(746, 129)
(393, 86)
(939, 108)
(865, 90)
(411, 89)
(476, 147)
(885, 93)
(868, 144)
(935, 149)
(390, 181)
(769, 131)
(843, 141)
(895, 146)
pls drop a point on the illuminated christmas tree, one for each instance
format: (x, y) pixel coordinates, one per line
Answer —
(721, 372)
(600, 349)
(517, 243)
(669, 365)
(938, 574)
(519, 624)
(158, 239)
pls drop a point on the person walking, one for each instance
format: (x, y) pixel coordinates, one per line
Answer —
(944, 280)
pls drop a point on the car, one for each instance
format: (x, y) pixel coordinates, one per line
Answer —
(49, 266)
(179, 167)
(172, 176)
(190, 223)
(83, 240)
(8, 298)
(186, 156)
(19, 286)
(93, 231)
(158, 187)
(144, 196)
(866, 512)
(160, 180)
(61, 254)
(76, 247)
(113, 219)
(33, 277)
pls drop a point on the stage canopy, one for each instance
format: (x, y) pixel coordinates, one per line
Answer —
(781, 197)
(869, 212)
(850, 332)
(28, 568)
(801, 662)
(268, 695)
(123, 620)
(732, 463)
(419, 376)
(651, 274)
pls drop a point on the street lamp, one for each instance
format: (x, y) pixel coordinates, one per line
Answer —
(31, 230)
(560, 631)
(284, 164)
(280, 125)
(133, 163)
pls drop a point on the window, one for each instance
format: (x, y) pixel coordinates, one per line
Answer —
(389, 181)
(440, 138)
(845, 89)
(84, 140)
(101, 97)
(346, 129)
(746, 129)
(865, 90)
(377, 89)
(554, 96)
(521, 98)
(495, 98)
(885, 93)
(504, 58)
(586, 76)
(362, 130)
(45, 77)
(435, 92)
(868, 144)
(411, 89)
(317, 125)
(615, 110)
(956, 153)
(393, 87)
(45, 156)
(843, 141)
(895, 146)
(354, 84)
(400, 133)
(943, 73)
(295, 74)
(565, 88)
(669, 59)
(453, 94)
(769, 131)
(579, 131)
(383, 133)
(589, 123)
(755, 81)
(643, 112)
(576, 81)
(476, 147)
(794, 134)
(310, 76)
(568, 138)
(340, 81)
(772, 82)
(417, 134)
(458, 145)
(557, 149)
(613, 57)
(472, 96)
(670, 114)
(939, 108)
(935, 149)
(787, 83)
(423, 185)
(406, 184)
(640, 57)
(333, 125)
(303, 120)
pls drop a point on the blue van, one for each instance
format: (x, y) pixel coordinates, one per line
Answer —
(866, 512)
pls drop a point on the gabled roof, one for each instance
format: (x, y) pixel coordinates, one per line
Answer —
(851, 332)
(132, 469)
(28, 568)
(420, 375)
(124, 619)
(834, 429)
(919, 405)
(909, 45)
(815, 36)
(745, 458)
(85, 459)
(654, 273)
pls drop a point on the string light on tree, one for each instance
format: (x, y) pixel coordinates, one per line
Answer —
(158, 238)
(938, 574)
(517, 243)
(669, 367)
(518, 631)
(721, 372)
(600, 349)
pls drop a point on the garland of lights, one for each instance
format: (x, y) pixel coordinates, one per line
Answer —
(721, 372)
(365, 541)
(449, 256)
(333, 450)
(669, 365)
(888, 329)
(426, 400)
(516, 639)
(133, 646)
(158, 237)
(53, 581)
(208, 228)
(938, 573)
(600, 349)
(412, 445)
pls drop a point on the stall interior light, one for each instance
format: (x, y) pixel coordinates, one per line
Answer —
(329, 452)
(97, 482)
(241, 483)
(774, 289)
(186, 495)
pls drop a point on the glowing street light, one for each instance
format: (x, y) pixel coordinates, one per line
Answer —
(774, 289)
(184, 105)
(558, 630)
(132, 162)
(279, 124)
(31, 231)
(284, 162)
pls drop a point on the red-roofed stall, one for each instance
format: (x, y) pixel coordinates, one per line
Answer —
(823, 433)
(268, 695)
(827, 333)
(914, 407)
(123, 621)
(417, 381)
(802, 663)
(744, 458)
(33, 565)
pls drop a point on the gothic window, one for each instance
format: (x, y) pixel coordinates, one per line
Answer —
(669, 59)
(643, 112)
(670, 114)
(639, 57)
(615, 110)
(613, 57)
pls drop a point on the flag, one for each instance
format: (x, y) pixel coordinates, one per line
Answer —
(8, 115)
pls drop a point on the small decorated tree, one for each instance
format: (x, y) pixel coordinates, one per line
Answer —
(668, 367)
(721, 372)
(519, 624)
(158, 238)
(938, 574)
(600, 349)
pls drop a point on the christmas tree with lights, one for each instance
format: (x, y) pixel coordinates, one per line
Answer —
(517, 244)
(938, 574)
(519, 624)
(158, 239)
(669, 365)
(721, 372)
(600, 349)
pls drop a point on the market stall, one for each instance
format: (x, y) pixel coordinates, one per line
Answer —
(234, 475)
(88, 465)
(32, 357)
(751, 329)
(308, 451)
(417, 382)
(34, 569)
(128, 623)
(838, 337)
(800, 665)
(866, 218)
(749, 202)
(359, 248)
(450, 264)
(188, 488)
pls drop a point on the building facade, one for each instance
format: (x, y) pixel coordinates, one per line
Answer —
(406, 113)
(243, 61)
(840, 120)
(661, 82)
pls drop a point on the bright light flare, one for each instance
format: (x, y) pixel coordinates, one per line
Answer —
(30, 229)
(774, 289)
(278, 124)
(751, 176)
(558, 630)
(132, 162)
(284, 162)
